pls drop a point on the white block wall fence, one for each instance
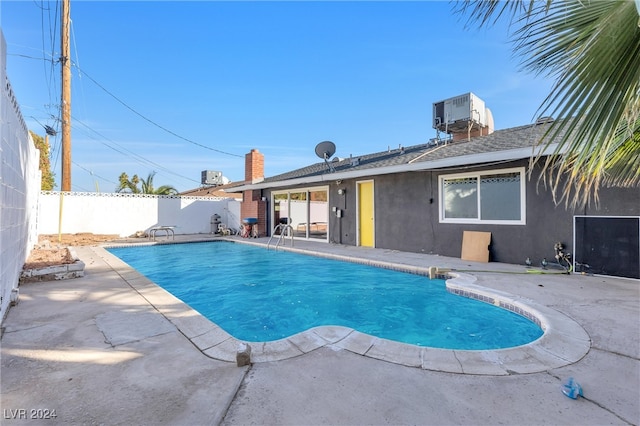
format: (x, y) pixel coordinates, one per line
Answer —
(19, 189)
(125, 214)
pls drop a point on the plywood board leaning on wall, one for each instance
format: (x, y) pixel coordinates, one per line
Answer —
(475, 246)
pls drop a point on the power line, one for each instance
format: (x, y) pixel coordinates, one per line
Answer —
(133, 110)
(52, 32)
(128, 153)
(55, 147)
(123, 151)
(153, 122)
(92, 133)
(50, 79)
(93, 174)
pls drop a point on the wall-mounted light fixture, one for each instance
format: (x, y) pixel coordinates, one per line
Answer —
(341, 191)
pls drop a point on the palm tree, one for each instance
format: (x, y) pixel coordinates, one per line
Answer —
(127, 185)
(131, 186)
(592, 51)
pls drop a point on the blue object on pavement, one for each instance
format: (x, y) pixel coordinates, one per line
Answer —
(571, 388)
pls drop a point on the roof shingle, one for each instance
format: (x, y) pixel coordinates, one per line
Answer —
(528, 136)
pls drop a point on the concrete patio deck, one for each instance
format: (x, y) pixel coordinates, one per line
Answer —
(113, 348)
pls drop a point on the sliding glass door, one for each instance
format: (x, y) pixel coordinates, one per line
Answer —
(306, 210)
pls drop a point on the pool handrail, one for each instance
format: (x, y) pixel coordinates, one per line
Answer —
(282, 227)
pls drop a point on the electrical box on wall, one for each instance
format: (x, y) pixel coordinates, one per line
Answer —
(338, 212)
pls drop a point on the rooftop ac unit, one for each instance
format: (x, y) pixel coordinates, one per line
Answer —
(210, 177)
(455, 113)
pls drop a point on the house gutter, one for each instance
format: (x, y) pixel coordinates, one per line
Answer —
(506, 155)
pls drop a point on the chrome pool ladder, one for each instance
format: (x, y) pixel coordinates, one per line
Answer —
(285, 229)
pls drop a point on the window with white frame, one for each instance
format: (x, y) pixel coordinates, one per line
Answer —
(496, 196)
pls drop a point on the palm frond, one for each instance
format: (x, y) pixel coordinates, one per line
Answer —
(488, 12)
(623, 163)
(165, 190)
(592, 50)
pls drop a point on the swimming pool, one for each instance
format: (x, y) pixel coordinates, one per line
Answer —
(260, 295)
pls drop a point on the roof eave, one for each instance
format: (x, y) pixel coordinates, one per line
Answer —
(462, 160)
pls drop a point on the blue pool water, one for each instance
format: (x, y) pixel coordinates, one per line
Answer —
(262, 295)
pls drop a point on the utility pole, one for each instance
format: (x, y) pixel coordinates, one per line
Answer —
(65, 61)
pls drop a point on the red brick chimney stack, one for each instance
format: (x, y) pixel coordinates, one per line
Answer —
(254, 166)
(252, 204)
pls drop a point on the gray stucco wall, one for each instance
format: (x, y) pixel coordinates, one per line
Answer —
(406, 217)
(411, 223)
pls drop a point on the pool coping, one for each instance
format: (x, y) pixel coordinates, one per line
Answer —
(564, 341)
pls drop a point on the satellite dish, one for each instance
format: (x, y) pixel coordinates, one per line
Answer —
(325, 149)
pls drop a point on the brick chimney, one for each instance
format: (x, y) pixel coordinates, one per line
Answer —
(254, 166)
(470, 133)
(252, 204)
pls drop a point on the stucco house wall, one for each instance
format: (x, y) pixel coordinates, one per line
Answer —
(407, 216)
(413, 225)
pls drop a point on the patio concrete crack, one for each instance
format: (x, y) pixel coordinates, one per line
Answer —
(236, 394)
(615, 353)
(594, 402)
(455, 355)
(17, 330)
(609, 411)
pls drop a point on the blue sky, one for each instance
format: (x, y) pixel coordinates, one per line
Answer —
(181, 87)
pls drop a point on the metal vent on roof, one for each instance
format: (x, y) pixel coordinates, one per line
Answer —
(544, 120)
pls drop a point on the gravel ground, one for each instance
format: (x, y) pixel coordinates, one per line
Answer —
(52, 249)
